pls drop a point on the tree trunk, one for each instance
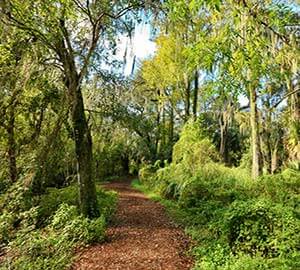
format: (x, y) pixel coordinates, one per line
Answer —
(187, 97)
(84, 154)
(255, 144)
(223, 136)
(274, 159)
(38, 180)
(158, 133)
(294, 104)
(163, 132)
(11, 145)
(125, 164)
(81, 132)
(195, 98)
(268, 133)
(171, 133)
(171, 126)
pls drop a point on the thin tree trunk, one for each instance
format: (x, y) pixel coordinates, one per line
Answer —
(163, 130)
(195, 98)
(222, 138)
(268, 156)
(38, 180)
(11, 145)
(255, 144)
(294, 104)
(274, 159)
(187, 97)
(158, 133)
(171, 126)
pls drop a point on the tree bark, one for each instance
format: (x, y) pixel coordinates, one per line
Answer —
(81, 133)
(266, 138)
(255, 144)
(195, 98)
(223, 136)
(294, 104)
(171, 126)
(187, 97)
(11, 145)
(274, 159)
(84, 153)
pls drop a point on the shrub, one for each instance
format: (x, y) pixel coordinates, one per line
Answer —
(51, 201)
(53, 198)
(75, 227)
(51, 246)
(146, 173)
(17, 198)
(6, 227)
(238, 223)
(107, 202)
(258, 226)
(194, 149)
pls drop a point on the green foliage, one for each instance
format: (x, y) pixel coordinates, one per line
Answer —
(6, 227)
(147, 171)
(51, 248)
(194, 147)
(44, 237)
(18, 197)
(260, 227)
(75, 227)
(50, 201)
(54, 197)
(238, 223)
(107, 202)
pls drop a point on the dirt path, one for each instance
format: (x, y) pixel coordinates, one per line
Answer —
(140, 238)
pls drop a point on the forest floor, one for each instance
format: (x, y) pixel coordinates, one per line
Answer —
(140, 237)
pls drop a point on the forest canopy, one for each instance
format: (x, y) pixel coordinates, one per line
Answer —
(216, 107)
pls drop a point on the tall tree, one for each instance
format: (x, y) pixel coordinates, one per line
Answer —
(71, 30)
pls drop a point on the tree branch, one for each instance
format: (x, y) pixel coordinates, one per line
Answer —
(284, 38)
(286, 96)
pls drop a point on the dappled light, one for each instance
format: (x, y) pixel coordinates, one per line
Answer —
(149, 134)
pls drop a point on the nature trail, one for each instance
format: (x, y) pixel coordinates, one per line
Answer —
(141, 237)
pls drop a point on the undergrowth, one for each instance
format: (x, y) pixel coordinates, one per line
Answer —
(237, 222)
(45, 236)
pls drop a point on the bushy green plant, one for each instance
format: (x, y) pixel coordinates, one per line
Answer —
(4, 182)
(6, 227)
(50, 246)
(260, 227)
(75, 227)
(50, 201)
(107, 202)
(17, 198)
(194, 148)
(238, 222)
(146, 173)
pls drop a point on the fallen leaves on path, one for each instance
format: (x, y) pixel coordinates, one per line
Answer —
(141, 237)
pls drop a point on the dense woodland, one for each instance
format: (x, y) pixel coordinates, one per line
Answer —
(210, 123)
